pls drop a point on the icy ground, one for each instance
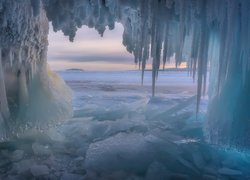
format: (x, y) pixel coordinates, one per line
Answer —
(119, 132)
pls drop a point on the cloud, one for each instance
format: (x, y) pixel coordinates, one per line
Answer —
(93, 58)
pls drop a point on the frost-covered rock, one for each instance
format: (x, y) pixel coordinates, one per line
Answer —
(69, 176)
(179, 176)
(12, 177)
(198, 160)
(229, 172)
(120, 152)
(157, 171)
(23, 166)
(17, 155)
(39, 170)
(209, 177)
(41, 150)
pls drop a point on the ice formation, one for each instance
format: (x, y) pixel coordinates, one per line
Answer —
(206, 33)
(31, 95)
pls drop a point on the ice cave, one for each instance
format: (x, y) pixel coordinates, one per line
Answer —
(135, 136)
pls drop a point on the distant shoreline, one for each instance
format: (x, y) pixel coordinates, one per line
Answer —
(74, 69)
(167, 69)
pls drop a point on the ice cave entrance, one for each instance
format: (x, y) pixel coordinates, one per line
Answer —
(106, 82)
(104, 77)
(102, 57)
(118, 131)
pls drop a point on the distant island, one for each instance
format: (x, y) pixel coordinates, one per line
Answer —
(75, 69)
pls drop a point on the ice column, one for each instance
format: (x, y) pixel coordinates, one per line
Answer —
(29, 91)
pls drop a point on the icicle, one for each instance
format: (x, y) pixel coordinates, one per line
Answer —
(4, 107)
(23, 90)
(11, 57)
(20, 56)
(165, 48)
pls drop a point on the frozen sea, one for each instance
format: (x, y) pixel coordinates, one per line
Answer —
(120, 132)
(106, 88)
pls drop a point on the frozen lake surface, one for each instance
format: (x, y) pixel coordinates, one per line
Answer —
(120, 132)
(125, 87)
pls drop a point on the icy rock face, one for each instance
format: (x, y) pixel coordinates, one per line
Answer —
(30, 95)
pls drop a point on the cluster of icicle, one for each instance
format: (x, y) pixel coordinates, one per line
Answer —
(30, 95)
(210, 34)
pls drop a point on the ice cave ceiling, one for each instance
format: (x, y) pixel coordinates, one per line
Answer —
(205, 33)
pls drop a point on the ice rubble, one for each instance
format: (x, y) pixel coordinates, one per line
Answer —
(140, 147)
(212, 34)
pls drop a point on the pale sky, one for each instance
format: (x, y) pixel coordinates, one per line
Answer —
(90, 51)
